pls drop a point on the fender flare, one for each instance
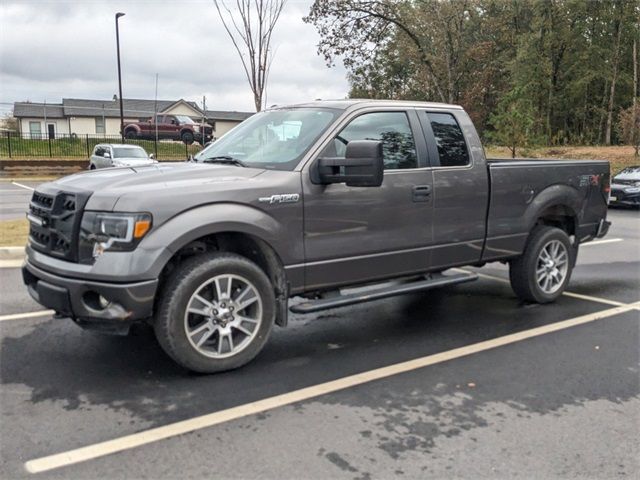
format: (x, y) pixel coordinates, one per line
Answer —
(562, 196)
(205, 220)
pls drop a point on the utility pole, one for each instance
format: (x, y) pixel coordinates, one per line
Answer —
(118, 15)
(634, 110)
(155, 117)
(204, 113)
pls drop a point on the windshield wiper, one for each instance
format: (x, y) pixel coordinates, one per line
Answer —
(225, 159)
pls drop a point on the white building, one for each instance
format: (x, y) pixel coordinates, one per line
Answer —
(102, 117)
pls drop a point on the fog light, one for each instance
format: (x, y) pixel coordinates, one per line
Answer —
(103, 302)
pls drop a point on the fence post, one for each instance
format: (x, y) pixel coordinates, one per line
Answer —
(87, 141)
(49, 140)
(155, 146)
(9, 142)
(186, 151)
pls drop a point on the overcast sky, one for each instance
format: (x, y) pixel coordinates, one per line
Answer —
(54, 49)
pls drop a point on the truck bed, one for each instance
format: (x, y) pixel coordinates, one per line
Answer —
(520, 187)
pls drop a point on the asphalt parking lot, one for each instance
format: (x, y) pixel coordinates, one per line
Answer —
(14, 199)
(464, 382)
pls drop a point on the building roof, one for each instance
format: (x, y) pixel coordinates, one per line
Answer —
(29, 109)
(222, 115)
(80, 107)
(111, 108)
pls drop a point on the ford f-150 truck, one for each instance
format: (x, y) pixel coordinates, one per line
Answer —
(170, 127)
(303, 200)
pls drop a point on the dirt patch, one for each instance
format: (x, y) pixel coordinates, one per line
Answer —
(619, 156)
(13, 233)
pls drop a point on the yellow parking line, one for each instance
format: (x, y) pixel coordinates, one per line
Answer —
(186, 426)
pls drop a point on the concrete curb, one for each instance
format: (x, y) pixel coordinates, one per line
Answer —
(11, 253)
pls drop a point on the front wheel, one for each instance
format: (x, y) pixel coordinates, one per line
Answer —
(216, 313)
(542, 272)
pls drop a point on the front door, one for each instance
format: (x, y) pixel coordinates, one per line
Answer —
(51, 131)
(357, 234)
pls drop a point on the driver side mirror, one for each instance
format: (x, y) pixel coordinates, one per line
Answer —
(152, 156)
(106, 155)
(362, 166)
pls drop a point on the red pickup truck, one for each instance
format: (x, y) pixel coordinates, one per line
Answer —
(170, 127)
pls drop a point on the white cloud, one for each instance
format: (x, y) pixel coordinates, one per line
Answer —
(55, 49)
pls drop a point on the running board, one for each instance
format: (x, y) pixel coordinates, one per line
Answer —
(434, 281)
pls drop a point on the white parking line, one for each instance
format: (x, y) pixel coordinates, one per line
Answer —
(197, 423)
(601, 242)
(589, 298)
(22, 316)
(22, 186)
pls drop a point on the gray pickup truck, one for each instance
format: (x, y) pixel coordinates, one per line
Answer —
(303, 200)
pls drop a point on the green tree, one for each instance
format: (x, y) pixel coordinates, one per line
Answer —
(512, 121)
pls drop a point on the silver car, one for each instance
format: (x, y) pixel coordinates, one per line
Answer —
(119, 155)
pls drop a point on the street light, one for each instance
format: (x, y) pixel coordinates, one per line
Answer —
(118, 15)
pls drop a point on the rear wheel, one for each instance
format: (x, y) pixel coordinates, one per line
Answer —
(130, 134)
(216, 313)
(542, 272)
(187, 137)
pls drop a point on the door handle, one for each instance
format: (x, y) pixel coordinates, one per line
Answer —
(421, 193)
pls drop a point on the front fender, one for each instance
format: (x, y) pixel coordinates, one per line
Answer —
(226, 217)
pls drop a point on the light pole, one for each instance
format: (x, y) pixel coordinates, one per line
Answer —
(118, 15)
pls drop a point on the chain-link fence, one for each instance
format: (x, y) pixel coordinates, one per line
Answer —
(14, 145)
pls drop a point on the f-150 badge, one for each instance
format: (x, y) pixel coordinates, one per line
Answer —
(280, 198)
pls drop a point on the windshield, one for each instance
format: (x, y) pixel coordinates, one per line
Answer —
(275, 139)
(183, 119)
(129, 152)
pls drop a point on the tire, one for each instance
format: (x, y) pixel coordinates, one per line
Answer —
(187, 137)
(178, 330)
(130, 134)
(537, 276)
(92, 166)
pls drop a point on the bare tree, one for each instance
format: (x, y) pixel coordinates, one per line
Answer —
(250, 26)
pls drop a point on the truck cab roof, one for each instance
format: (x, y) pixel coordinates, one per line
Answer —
(356, 103)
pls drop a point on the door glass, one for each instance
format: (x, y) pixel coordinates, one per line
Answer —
(391, 128)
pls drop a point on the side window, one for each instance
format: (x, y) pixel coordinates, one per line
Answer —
(391, 128)
(159, 118)
(452, 148)
(98, 151)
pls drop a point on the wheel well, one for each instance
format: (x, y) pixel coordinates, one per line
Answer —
(559, 216)
(250, 247)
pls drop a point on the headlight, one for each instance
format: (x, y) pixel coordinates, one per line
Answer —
(196, 128)
(632, 190)
(106, 231)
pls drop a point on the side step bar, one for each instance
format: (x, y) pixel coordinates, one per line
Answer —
(434, 281)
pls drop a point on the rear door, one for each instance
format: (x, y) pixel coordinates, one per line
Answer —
(357, 234)
(461, 187)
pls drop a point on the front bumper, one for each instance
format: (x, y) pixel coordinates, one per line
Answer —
(80, 299)
(621, 197)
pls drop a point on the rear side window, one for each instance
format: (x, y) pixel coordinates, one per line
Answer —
(452, 148)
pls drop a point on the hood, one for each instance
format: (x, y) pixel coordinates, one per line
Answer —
(628, 176)
(139, 184)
